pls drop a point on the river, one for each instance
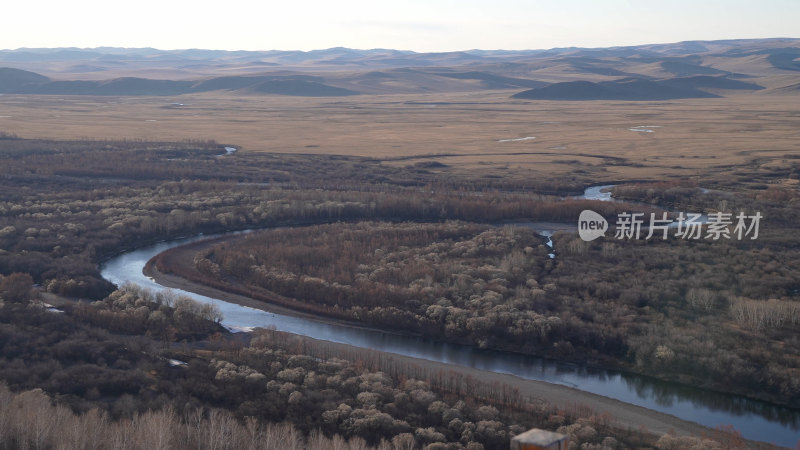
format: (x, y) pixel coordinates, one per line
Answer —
(756, 420)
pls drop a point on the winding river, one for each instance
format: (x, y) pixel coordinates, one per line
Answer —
(756, 420)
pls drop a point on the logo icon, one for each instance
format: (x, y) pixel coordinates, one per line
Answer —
(591, 225)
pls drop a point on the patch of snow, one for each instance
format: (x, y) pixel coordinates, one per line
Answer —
(527, 138)
(645, 128)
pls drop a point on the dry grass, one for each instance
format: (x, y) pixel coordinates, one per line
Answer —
(697, 137)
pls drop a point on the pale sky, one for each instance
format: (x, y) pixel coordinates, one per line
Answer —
(430, 25)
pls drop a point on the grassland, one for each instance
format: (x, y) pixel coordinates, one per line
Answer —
(703, 139)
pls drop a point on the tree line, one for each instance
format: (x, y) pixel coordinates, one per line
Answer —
(104, 386)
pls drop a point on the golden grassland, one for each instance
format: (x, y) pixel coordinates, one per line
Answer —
(474, 131)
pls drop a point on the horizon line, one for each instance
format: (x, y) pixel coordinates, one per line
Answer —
(778, 38)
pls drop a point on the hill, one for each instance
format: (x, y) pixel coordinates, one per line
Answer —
(300, 88)
(22, 82)
(12, 80)
(637, 89)
(691, 69)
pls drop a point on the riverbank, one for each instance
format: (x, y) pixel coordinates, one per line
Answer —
(180, 258)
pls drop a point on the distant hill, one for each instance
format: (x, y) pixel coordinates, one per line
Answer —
(227, 83)
(786, 59)
(683, 69)
(22, 82)
(492, 81)
(118, 86)
(626, 89)
(300, 88)
(12, 80)
(637, 89)
(709, 82)
(641, 72)
(570, 90)
(681, 59)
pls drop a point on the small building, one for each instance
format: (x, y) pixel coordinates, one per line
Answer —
(536, 439)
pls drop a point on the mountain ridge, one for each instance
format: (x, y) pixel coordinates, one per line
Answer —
(672, 70)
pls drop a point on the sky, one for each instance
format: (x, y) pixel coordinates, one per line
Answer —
(418, 25)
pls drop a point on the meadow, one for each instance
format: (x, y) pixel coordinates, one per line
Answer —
(729, 141)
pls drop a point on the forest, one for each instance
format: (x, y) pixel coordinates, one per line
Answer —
(116, 381)
(422, 249)
(678, 310)
(67, 205)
